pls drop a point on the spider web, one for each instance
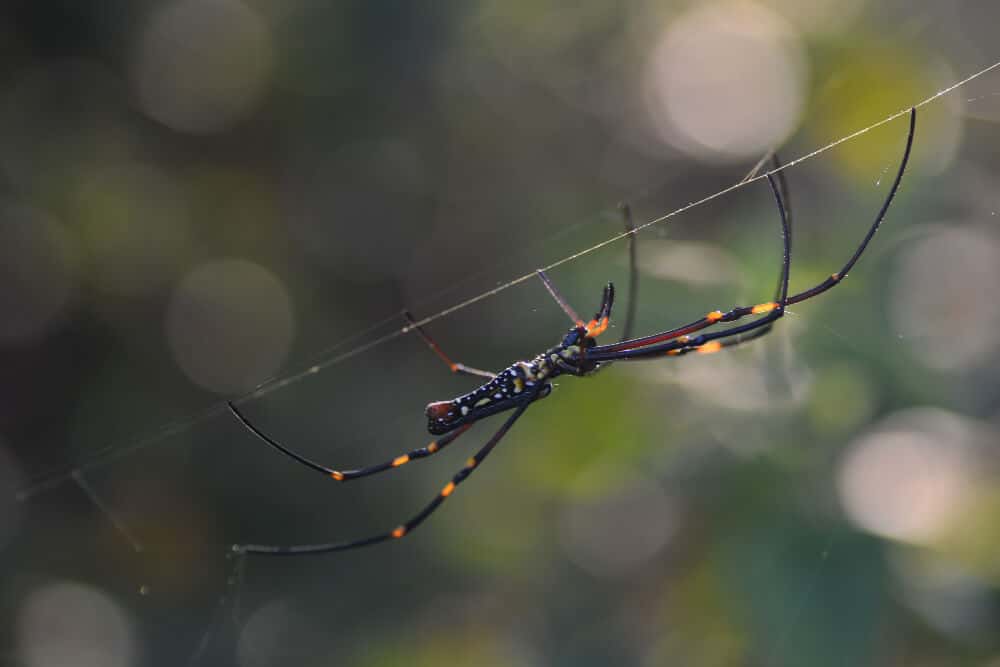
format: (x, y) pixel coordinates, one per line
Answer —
(374, 337)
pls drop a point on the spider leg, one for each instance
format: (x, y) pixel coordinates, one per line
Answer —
(709, 319)
(433, 447)
(710, 342)
(709, 345)
(601, 319)
(779, 172)
(633, 271)
(717, 345)
(455, 367)
(836, 278)
(411, 524)
(559, 298)
(658, 343)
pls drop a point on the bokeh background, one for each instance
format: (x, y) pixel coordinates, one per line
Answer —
(199, 195)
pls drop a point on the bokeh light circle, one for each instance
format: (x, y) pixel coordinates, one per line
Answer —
(911, 477)
(65, 623)
(230, 325)
(618, 531)
(277, 633)
(949, 277)
(202, 65)
(726, 81)
(40, 273)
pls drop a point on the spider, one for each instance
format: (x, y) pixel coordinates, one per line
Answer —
(521, 384)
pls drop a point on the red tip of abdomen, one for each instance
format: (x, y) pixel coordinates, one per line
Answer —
(439, 410)
(442, 417)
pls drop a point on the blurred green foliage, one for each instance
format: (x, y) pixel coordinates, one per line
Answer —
(826, 496)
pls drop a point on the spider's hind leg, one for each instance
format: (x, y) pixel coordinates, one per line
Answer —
(455, 367)
(410, 525)
(432, 448)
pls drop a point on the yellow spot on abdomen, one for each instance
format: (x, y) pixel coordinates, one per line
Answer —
(433, 447)
(339, 476)
(446, 491)
(714, 316)
(709, 348)
(399, 532)
(400, 460)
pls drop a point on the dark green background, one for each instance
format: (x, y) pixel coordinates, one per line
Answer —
(412, 155)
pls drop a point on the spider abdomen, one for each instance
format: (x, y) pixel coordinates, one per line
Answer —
(501, 393)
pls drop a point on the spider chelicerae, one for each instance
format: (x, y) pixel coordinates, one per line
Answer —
(522, 383)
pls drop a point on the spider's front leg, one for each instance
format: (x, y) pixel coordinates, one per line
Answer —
(600, 322)
(668, 343)
(678, 341)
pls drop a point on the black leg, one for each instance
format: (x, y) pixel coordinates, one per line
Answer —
(670, 340)
(433, 447)
(837, 277)
(633, 271)
(674, 345)
(779, 174)
(719, 345)
(406, 528)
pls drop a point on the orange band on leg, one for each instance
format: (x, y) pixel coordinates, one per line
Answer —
(763, 308)
(709, 348)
